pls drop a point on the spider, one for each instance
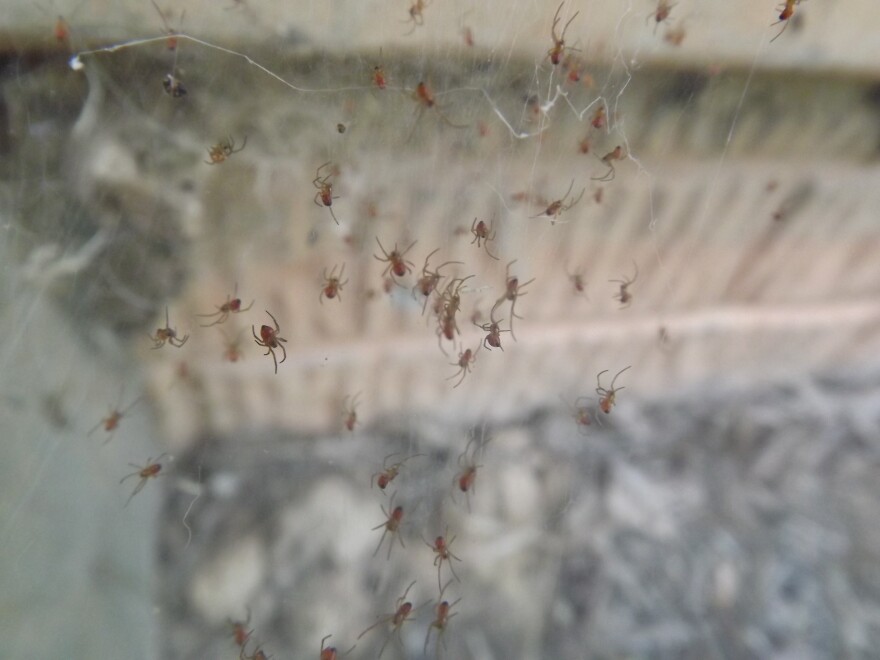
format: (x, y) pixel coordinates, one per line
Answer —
(389, 472)
(324, 196)
(167, 334)
(398, 266)
(332, 287)
(223, 150)
(512, 292)
(391, 524)
(577, 281)
(555, 209)
(111, 421)
(493, 338)
(415, 15)
(624, 296)
(559, 47)
(615, 154)
(483, 233)
(661, 13)
(466, 479)
(580, 413)
(402, 609)
(349, 411)
(269, 340)
(232, 352)
(330, 652)
(240, 633)
(429, 280)
(231, 306)
(145, 472)
(465, 360)
(443, 553)
(173, 86)
(424, 97)
(606, 403)
(442, 619)
(787, 11)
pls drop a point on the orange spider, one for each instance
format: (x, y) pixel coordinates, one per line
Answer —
(483, 233)
(146, 472)
(392, 525)
(786, 13)
(270, 340)
(402, 609)
(466, 479)
(661, 13)
(465, 360)
(415, 15)
(223, 150)
(512, 292)
(555, 209)
(429, 280)
(443, 553)
(231, 306)
(398, 266)
(559, 47)
(324, 196)
(330, 652)
(167, 334)
(389, 472)
(609, 396)
(441, 620)
(624, 296)
(493, 328)
(111, 421)
(332, 287)
(349, 411)
(615, 154)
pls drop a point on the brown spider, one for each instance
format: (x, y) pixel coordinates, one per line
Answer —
(624, 296)
(324, 196)
(398, 266)
(332, 287)
(559, 47)
(606, 403)
(615, 154)
(493, 339)
(223, 150)
(429, 280)
(465, 360)
(415, 15)
(231, 306)
(555, 209)
(269, 340)
(167, 334)
(483, 233)
(512, 291)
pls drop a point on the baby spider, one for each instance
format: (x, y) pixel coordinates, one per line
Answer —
(577, 281)
(269, 340)
(483, 233)
(231, 306)
(580, 413)
(559, 47)
(512, 292)
(389, 472)
(787, 11)
(398, 266)
(379, 79)
(442, 617)
(223, 150)
(415, 15)
(146, 472)
(555, 209)
(615, 154)
(232, 347)
(493, 338)
(324, 196)
(173, 86)
(466, 479)
(465, 360)
(332, 287)
(330, 652)
(167, 334)
(429, 280)
(391, 524)
(240, 633)
(443, 553)
(606, 403)
(402, 609)
(624, 296)
(660, 14)
(349, 411)
(111, 421)
(258, 654)
(424, 97)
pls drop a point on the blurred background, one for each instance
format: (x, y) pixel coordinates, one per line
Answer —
(595, 293)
